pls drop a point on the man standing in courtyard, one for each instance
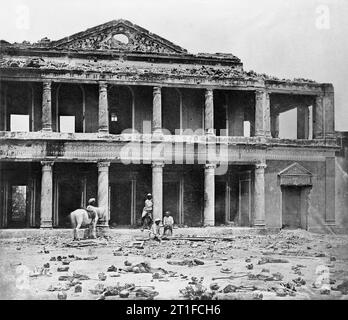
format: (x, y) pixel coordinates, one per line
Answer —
(168, 223)
(146, 217)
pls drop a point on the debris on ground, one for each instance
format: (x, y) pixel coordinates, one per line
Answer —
(186, 262)
(44, 271)
(86, 243)
(266, 277)
(78, 288)
(146, 293)
(284, 289)
(197, 292)
(299, 281)
(138, 244)
(265, 260)
(239, 275)
(62, 295)
(74, 276)
(124, 293)
(343, 287)
(325, 290)
(112, 268)
(102, 276)
(214, 286)
(62, 269)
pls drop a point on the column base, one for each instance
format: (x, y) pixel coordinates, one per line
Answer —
(210, 132)
(46, 225)
(259, 224)
(209, 223)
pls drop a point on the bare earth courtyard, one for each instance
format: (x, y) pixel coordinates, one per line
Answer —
(37, 264)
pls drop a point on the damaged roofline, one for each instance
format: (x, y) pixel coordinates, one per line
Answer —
(182, 58)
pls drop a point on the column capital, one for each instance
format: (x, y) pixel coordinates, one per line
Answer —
(47, 164)
(47, 84)
(157, 164)
(261, 166)
(103, 164)
(103, 85)
(210, 165)
(208, 92)
(260, 92)
(157, 90)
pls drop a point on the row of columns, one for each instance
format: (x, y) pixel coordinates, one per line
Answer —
(46, 205)
(323, 112)
(324, 106)
(157, 191)
(261, 126)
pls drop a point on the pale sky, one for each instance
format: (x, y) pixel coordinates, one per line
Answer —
(284, 38)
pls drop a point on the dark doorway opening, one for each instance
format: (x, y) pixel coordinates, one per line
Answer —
(120, 203)
(294, 208)
(220, 202)
(245, 199)
(171, 194)
(18, 212)
(69, 199)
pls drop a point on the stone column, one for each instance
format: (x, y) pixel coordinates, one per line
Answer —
(329, 112)
(318, 130)
(209, 112)
(330, 175)
(262, 114)
(157, 109)
(157, 189)
(47, 106)
(259, 195)
(46, 195)
(103, 190)
(209, 194)
(103, 108)
(275, 125)
(302, 122)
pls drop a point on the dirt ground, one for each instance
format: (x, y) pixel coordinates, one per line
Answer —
(285, 265)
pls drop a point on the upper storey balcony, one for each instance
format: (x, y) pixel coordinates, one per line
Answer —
(63, 110)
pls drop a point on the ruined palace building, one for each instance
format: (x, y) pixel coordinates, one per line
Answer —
(115, 112)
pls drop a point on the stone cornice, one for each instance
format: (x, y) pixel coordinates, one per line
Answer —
(143, 138)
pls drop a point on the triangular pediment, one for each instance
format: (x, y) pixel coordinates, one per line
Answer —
(295, 169)
(118, 35)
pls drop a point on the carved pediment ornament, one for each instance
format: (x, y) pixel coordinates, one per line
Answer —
(295, 175)
(118, 36)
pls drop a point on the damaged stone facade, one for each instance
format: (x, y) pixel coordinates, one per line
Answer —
(194, 107)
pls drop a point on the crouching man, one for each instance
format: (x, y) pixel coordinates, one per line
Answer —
(155, 231)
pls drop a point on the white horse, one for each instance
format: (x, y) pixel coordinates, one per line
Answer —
(82, 217)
